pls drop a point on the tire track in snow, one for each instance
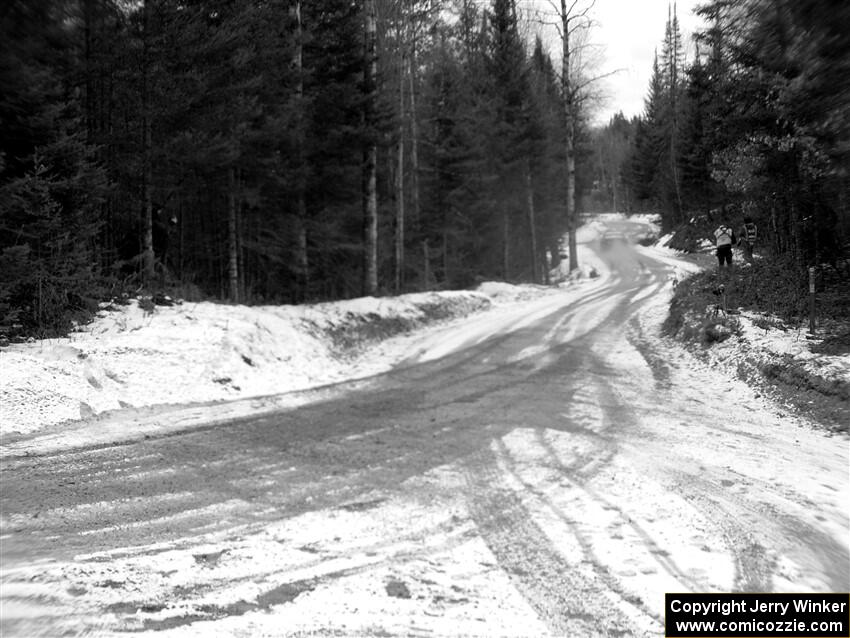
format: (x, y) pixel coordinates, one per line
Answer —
(756, 555)
(658, 554)
(601, 572)
(659, 367)
(754, 565)
(569, 602)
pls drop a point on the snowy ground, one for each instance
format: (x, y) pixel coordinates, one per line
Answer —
(248, 359)
(201, 352)
(645, 484)
(762, 341)
(205, 352)
(763, 344)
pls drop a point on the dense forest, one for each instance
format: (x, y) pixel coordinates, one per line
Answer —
(756, 123)
(272, 151)
(268, 151)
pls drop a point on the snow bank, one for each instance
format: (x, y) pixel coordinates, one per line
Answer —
(652, 219)
(671, 257)
(765, 346)
(501, 292)
(762, 349)
(205, 352)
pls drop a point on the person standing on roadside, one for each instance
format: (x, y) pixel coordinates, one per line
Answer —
(724, 238)
(747, 238)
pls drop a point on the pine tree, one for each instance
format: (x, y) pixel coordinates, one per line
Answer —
(547, 153)
(508, 140)
(370, 153)
(645, 162)
(655, 166)
(672, 57)
(51, 186)
(456, 224)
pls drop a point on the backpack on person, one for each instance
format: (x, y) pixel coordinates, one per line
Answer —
(723, 236)
(750, 232)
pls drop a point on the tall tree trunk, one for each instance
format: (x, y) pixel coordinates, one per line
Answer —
(399, 173)
(370, 197)
(232, 238)
(674, 109)
(426, 271)
(148, 257)
(532, 222)
(797, 235)
(109, 224)
(181, 238)
(88, 16)
(240, 239)
(569, 127)
(506, 236)
(602, 168)
(572, 219)
(414, 132)
(445, 241)
(674, 131)
(302, 264)
(614, 199)
(674, 168)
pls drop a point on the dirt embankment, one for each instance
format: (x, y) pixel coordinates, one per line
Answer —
(361, 329)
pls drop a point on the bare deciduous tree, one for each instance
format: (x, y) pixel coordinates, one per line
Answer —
(573, 22)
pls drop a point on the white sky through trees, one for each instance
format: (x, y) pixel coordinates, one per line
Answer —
(630, 31)
(626, 34)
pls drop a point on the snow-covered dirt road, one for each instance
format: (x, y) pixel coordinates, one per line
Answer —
(549, 469)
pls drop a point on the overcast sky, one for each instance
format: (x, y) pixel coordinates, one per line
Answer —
(627, 33)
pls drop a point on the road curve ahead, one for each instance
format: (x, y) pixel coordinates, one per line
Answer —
(547, 468)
